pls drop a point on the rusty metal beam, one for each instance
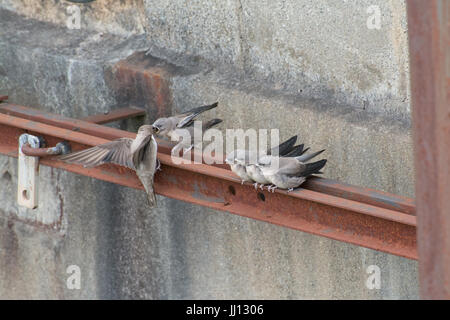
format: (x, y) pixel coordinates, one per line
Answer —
(61, 121)
(429, 45)
(75, 125)
(114, 115)
(376, 222)
(360, 194)
(331, 187)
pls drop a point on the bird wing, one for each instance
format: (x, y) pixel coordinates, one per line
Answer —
(307, 157)
(289, 166)
(313, 168)
(117, 152)
(187, 117)
(283, 148)
(195, 135)
(211, 123)
(292, 167)
(296, 151)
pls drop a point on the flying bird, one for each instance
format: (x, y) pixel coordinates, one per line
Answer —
(138, 154)
(164, 127)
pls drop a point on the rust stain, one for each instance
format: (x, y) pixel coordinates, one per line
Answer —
(138, 81)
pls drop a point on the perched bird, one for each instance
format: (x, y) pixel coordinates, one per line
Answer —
(190, 136)
(138, 154)
(255, 171)
(164, 127)
(290, 172)
(238, 159)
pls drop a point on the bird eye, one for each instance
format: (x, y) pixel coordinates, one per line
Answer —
(156, 129)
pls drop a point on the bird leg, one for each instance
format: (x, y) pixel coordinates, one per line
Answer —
(158, 165)
(290, 189)
(256, 185)
(272, 188)
(242, 181)
(262, 186)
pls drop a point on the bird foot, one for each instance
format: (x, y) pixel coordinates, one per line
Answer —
(158, 165)
(290, 189)
(273, 188)
(262, 186)
(256, 185)
(242, 181)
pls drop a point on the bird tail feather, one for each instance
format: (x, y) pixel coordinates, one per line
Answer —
(211, 123)
(151, 196)
(284, 147)
(312, 168)
(307, 157)
(295, 151)
(198, 110)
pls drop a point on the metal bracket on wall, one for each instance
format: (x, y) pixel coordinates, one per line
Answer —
(28, 176)
(361, 216)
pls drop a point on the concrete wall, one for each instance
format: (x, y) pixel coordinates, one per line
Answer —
(311, 68)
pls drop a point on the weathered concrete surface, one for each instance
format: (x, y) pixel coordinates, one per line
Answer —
(109, 16)
(321, 49)
(179, 250)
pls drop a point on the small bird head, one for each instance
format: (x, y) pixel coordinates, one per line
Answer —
(146, 130)
(160, 127)
(241, 157)
(231, 158)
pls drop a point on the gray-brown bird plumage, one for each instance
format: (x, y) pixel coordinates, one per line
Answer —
(289, 173)
(164, 127)
(240, 160)
(138, 154)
